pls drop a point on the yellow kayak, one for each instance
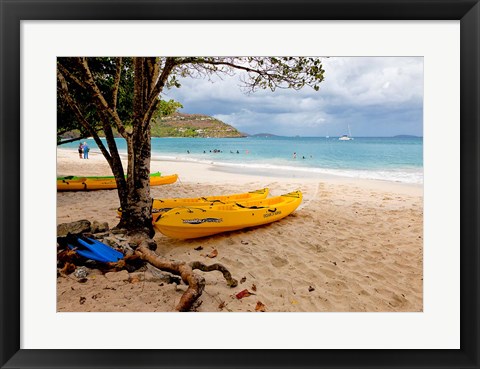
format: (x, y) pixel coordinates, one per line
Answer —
(163, 205)
(105, 183)
(194, 222)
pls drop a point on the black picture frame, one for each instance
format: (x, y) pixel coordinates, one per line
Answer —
(13, 12)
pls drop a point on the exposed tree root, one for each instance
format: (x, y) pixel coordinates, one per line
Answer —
(196, 283)
(231, 282)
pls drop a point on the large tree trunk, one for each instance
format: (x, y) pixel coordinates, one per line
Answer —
(137, 212)
(136, 202)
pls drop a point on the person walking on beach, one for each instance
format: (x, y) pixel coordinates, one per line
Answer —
(86, 149)
(80, 150)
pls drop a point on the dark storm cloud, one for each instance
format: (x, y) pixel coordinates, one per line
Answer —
(377, 96)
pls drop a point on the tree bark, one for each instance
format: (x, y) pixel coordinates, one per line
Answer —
(137, 211)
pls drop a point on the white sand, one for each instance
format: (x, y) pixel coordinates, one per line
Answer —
(353, 245)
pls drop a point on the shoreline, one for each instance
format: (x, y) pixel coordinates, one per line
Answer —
(194, 171)
(352, 245)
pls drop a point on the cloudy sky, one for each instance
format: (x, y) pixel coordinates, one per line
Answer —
(375, 96)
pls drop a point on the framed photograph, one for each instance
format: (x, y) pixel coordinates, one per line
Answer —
(353, 137)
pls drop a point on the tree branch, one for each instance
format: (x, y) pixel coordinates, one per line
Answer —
(138, 90)
(196, 283)
(99, 98)
(71, 140)
(73, 105)
(227, 64)
(155, 74)
(116, 85)
(231, 282)
(170, 63)
(67, 73)
(272, 73)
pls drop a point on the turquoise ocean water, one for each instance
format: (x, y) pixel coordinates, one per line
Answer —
(392, 159)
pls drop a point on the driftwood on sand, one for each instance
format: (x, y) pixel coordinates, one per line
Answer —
(196, 283)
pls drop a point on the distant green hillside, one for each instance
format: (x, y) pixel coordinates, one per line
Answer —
(180, 125)
(192, 125)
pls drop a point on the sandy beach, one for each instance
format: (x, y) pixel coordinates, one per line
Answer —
(352, 245)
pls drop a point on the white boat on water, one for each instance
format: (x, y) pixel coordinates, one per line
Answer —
(346, 137)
